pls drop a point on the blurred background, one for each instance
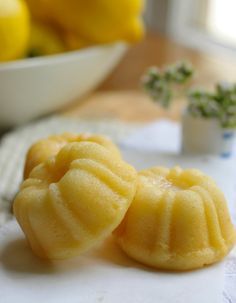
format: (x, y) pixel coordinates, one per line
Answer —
(202, 31)
(199, 31)
(207, 25)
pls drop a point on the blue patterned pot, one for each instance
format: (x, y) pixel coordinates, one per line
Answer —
(206, 136)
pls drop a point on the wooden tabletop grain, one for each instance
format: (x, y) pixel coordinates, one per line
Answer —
(120, 95)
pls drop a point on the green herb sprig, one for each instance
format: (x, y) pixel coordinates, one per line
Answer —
(161, 84)
(220, 104)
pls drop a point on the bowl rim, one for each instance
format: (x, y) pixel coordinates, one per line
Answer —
(56, 58)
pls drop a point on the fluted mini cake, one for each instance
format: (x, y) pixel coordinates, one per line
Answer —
(45, 148)
(74, 199)
(178, 220)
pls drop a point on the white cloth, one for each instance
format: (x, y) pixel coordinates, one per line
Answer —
(162, 136)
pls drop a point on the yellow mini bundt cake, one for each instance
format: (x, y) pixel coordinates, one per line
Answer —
(45, 148)
(74, 199)
(178, 220)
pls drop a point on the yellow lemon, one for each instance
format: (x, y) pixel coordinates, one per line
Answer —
(74, 42)
(97, 21)
(44, 40)
(14, 29)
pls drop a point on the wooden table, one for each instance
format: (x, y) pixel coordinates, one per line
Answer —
(121, 97)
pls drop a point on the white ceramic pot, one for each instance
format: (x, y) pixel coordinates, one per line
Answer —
(201, 135)
(33, 87)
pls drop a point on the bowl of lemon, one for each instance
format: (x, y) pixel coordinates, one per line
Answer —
(53, 52)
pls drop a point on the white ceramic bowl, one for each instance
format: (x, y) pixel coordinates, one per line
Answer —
(33, 87)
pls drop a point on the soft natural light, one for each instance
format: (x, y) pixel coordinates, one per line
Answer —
(221, 20)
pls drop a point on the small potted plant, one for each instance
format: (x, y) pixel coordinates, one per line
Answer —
(209, 119)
